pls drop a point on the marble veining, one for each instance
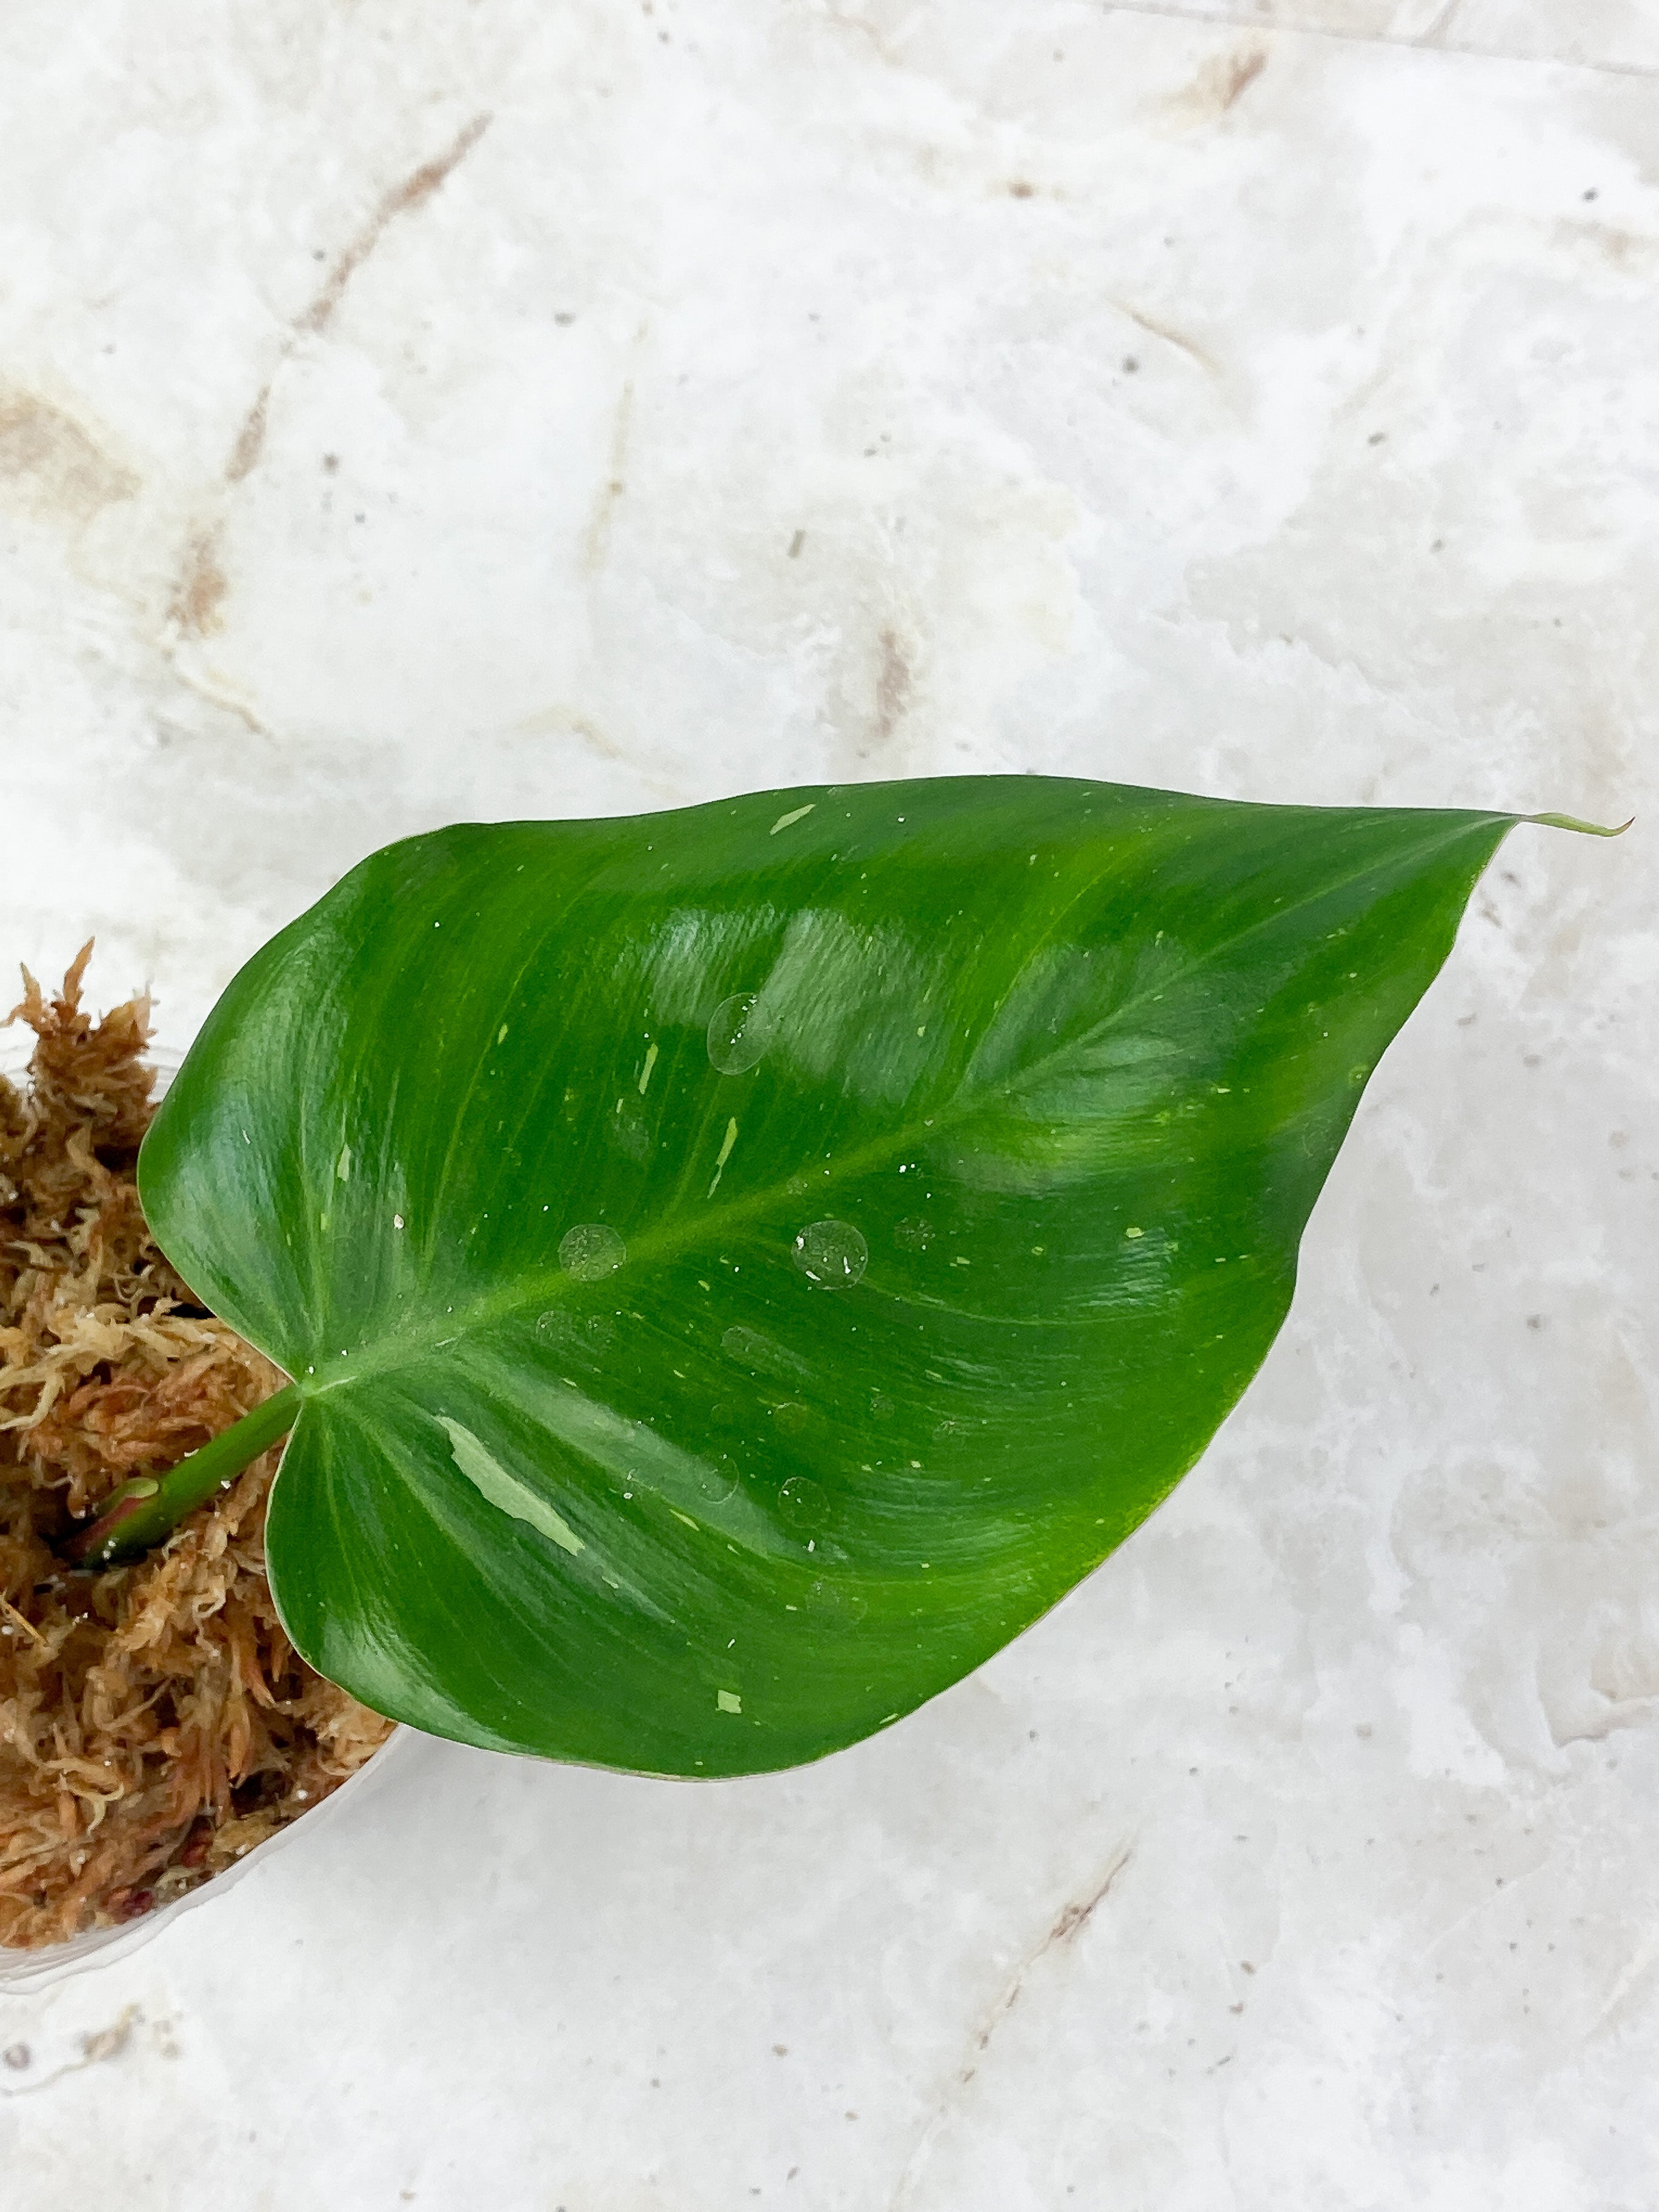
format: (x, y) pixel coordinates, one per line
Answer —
(1607, 35)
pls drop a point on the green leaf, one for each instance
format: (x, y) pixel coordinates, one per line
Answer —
(743, 1265)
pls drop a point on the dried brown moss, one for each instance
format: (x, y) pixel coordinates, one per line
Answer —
(155, 1723)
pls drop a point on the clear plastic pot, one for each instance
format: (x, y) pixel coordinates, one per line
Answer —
(32, 1973)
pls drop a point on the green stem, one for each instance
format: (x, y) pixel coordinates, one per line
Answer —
(144, 1510)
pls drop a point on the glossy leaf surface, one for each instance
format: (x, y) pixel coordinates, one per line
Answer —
(745, 1264)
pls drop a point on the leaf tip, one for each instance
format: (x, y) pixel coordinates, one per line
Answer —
(1585, 829)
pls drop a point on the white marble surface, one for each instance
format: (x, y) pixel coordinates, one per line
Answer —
(768, 390)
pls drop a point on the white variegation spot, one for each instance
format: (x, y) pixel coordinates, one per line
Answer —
(505, 1491)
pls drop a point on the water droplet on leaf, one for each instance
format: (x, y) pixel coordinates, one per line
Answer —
(741, 1033)
(803, 1502)
(714, 1480)
(833, 1252)
(831, 1603)
(590, 1250)
(629, 1131)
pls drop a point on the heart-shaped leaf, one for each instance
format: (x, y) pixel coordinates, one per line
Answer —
(740, 1265)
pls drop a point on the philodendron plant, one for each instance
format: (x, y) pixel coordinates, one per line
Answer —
(738, 1266)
